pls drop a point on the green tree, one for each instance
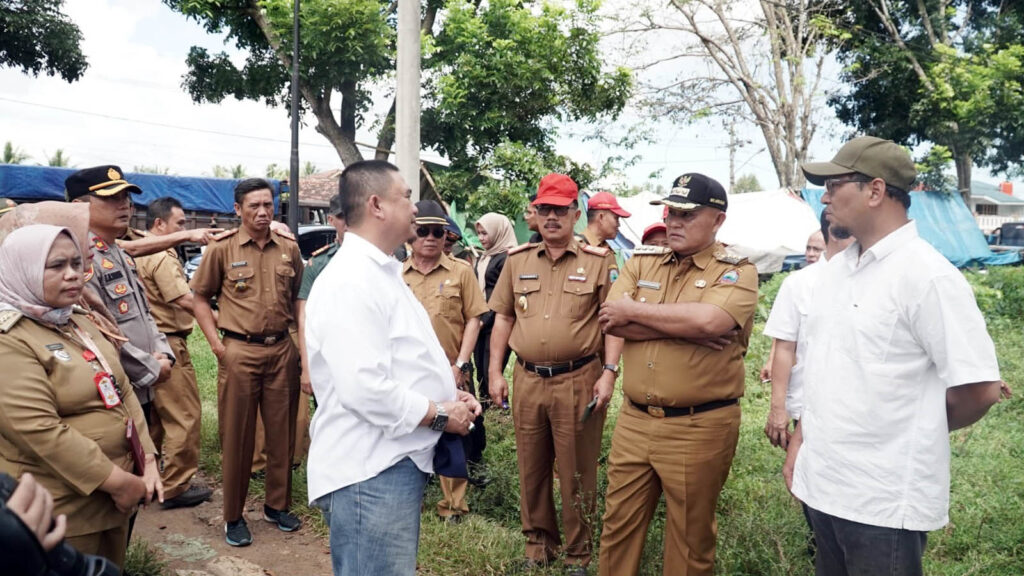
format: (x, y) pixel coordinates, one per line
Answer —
(36, 36)
(154, 169)
(235, 172)
(59, 159)
(493, 72)
(949, 72)
(746, 183)
(308, 169)
(13, 155)
(933, 170)
(276, 172)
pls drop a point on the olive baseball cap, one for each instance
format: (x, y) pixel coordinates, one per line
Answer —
(105, 180)
(870, 156)
(691, 191)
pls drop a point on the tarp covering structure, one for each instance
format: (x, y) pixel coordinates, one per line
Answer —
(765, 226)
(33, 183)
(946, 223)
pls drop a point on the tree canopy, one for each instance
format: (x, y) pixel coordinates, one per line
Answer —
(36, 36)
(496, 73)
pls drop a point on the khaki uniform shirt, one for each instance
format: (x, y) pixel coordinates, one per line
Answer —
(675, 372)
(554, 303)
(115, 277)
(255, 288)
(592, 239)
(451, 295)
(163, 276)
(54, 424)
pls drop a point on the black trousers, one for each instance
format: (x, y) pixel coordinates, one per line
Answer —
(847, 548)
(475, 442)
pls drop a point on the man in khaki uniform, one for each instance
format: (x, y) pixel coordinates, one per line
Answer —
(177, 411)
(603, 213)
(449, 291)
(680, 418)
(546, 303)
(255, 275)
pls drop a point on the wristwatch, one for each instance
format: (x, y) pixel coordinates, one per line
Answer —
(440, 419)
(613, 368)
(463, 366)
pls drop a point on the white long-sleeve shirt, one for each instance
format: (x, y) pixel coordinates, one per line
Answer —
(375, 364)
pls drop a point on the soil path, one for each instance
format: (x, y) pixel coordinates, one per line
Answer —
(192, 542)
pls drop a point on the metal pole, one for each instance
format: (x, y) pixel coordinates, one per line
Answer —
(293, 181)
(407, 105)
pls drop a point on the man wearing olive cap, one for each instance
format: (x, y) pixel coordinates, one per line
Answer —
(897, 356)
(679, 423)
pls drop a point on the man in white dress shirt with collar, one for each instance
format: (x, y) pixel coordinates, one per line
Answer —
(383, 383)
(898, 355)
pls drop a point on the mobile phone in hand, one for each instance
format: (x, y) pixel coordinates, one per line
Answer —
(589, 409)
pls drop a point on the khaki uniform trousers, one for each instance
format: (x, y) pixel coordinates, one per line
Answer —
(687, 458)
(112, 544)
(301, 448)
(252, 378)
(176, 420)
(453, 500)
(546, 413)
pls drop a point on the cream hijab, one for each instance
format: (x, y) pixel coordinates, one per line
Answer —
(23, 259)
(503, 238)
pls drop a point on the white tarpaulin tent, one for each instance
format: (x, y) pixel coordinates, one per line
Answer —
(763, 226)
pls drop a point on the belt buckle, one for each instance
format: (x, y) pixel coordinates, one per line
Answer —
(549, 369)
(269, 340)
(656, 411)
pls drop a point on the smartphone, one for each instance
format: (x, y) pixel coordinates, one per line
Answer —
(589, 409)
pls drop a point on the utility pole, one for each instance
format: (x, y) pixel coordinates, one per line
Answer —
(407, 105)
(293, 180)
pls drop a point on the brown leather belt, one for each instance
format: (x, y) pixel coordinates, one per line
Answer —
(184, 334)
(672, 411)
(262, 339)
(556, 369)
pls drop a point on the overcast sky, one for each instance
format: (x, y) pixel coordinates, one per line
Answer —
(129, 109)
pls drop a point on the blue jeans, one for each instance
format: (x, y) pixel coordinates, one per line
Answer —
(847, 548)
(375, 524)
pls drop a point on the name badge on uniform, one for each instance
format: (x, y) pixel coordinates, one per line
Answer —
(529, 277)
(239, 264)
(112, 276)
(577, 278)
(649, 284)
(108, 392)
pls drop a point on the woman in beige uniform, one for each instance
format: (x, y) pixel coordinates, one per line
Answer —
(67, 412)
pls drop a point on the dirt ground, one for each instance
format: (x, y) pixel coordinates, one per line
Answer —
(192, 542)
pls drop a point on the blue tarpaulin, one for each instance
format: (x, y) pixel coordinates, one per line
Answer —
(34, 183)
(947, 224)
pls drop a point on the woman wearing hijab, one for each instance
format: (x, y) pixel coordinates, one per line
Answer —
(67, 412)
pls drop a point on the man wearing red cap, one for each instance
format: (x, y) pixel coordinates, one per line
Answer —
(655, 235)
(603, 213)
(546, 303)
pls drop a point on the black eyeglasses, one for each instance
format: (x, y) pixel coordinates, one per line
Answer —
(832, 183)
(434, 231)
(546, 209)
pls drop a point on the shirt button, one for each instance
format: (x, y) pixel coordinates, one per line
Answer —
(543, 341)
(549, 292)
(546, 316)
(650, 364)
(642, 299)
(554, 267)
(648, 396)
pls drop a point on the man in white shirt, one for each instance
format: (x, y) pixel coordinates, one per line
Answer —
(898, 355)
(383, 383)
(787, 327)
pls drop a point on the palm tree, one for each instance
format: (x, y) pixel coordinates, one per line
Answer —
(13, 155)
(59, 159)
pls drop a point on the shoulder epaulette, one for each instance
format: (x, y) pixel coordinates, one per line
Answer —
(320, 250)
(730, 258)
(596, 250)
(521, 248)
(645, 250)
(8, 318)
(225, 234)
(462, 261)
(290, 237)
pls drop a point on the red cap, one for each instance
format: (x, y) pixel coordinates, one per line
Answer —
(656, 227)
(605, 201)
(556, 190)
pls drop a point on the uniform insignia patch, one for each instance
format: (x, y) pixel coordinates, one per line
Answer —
(107, 264)
(239, 264)
(113, 174)
(121, 289)
(700, 283)
(580, 270)
(241, 286)
(729, 258)
(89, 273)
(320, 250)
(730, 277)
(523, 303)
(122, 307)
(613, 274)
(8, 318)
(62, 355)
(447, 281)
(99, 244)
(645, 249)
(595, 250)
(129, 260)
(649, 284)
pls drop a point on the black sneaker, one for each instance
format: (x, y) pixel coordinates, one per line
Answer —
(195, 495)
(285, 522)
(237, 533)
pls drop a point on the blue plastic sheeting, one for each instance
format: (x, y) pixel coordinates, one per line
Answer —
(217, 195)
(946, 223)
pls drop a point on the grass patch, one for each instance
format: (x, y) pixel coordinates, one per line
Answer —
(143, 560)
(762, 531)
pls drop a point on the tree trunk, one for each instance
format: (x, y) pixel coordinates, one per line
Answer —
(963, 175)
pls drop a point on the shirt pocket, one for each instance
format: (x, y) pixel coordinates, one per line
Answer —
(577, 299)
(528, 298)
(451, 302)
(240, 283)
(648, 295)
(122, 305)
(284, 276)
(874, 328)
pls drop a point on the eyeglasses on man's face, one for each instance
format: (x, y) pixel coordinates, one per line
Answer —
(547, 209)
(435, 231)
(833, 184)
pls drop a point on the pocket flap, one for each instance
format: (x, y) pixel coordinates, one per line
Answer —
(236, 274)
